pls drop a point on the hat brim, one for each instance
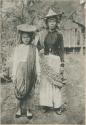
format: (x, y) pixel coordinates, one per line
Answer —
(27, 28)
(52, 16)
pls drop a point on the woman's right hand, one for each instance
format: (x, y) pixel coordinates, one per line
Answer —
(42, 51)
(38, 79)
(59, 86)
(61, 70)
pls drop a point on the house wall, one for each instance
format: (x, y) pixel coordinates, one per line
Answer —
(72, 37)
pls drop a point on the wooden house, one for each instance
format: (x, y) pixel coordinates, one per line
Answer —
(72, 35)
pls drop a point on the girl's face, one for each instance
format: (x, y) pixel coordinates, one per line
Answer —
(52, 23)
(26, 38)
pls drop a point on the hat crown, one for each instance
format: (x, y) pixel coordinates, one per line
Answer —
(51, 13)
(26, 28)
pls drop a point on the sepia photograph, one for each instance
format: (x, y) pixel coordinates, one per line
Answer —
(42, 61)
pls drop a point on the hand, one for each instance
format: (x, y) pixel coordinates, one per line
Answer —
(62, 64)
(13, 79)
(42, 51)
(59, 86)
(61, 70)
(38, 78)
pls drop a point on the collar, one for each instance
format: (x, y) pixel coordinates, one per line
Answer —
(51, 31)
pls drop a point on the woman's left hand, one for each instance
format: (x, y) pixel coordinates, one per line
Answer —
(61, 70)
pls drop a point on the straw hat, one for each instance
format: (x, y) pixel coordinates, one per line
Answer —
(50, 14)
(26, 28)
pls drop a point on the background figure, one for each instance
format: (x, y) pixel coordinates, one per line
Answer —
(25, 68)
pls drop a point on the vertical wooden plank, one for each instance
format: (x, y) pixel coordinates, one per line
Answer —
(75, 40)
(83, 5)
(69, 37)
(81, 39)
(85, 25)
(0, 56)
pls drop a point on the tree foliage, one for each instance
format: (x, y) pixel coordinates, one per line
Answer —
(26, 11)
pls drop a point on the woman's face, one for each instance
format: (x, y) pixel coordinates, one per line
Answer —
(26, 38)
(52, 23)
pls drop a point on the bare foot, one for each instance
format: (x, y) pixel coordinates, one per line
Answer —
(29, 115)
(18, 114)
(59, 111)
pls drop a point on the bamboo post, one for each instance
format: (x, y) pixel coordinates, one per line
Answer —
(73, 30)
(0, 37)
(85, 24)
(0, 56)
(83, 5)
(81, 43)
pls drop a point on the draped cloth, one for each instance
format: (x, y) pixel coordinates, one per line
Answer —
(50, 94)
(24, 70)
(51, 67)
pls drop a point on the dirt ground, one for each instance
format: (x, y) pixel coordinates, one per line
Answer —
(75, 114)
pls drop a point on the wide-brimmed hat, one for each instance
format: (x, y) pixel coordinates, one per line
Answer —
(26, 28)
(51, 14)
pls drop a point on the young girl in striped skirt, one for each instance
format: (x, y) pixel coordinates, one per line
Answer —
(26, 69)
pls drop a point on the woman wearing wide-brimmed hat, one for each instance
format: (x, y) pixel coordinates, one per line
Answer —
(26, 69)
(52, 64)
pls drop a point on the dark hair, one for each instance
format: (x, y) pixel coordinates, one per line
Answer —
(31, 34)
(53, 17)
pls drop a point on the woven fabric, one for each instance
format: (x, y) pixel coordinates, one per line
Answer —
(26, 74)
(50, 94)
(51, 68)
